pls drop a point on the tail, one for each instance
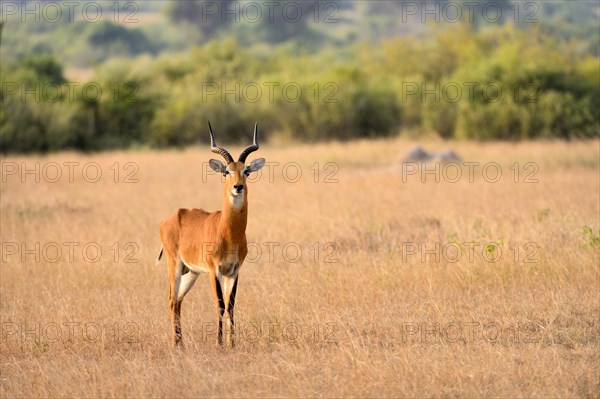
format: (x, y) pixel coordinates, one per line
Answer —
(159, 255)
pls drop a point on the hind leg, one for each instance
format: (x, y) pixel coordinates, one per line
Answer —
(174, 271)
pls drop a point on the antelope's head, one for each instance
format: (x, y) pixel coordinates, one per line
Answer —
(235, 173)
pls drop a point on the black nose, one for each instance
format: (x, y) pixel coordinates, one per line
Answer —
(238, 187)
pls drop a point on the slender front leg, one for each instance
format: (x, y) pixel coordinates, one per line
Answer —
(230, 284)
(216, 288)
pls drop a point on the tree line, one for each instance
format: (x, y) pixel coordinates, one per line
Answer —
(507, 83)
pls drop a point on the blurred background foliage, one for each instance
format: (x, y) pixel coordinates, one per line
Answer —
(151, 73)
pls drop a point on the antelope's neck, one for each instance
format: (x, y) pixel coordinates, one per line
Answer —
(232, 226)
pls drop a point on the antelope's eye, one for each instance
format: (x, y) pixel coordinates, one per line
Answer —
(246, 172)
(225, 173)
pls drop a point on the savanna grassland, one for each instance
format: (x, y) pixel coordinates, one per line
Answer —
(363, 281)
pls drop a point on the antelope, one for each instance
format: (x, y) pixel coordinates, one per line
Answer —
(196, 241)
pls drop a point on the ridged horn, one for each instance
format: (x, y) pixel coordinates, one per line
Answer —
(218, 150)
(250, 148)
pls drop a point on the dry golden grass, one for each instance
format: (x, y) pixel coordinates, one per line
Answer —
(377, 322)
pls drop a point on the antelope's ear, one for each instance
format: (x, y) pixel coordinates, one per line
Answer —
(217, 166)
(256, 165)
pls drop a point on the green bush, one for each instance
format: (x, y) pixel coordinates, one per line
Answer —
(540, 89)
